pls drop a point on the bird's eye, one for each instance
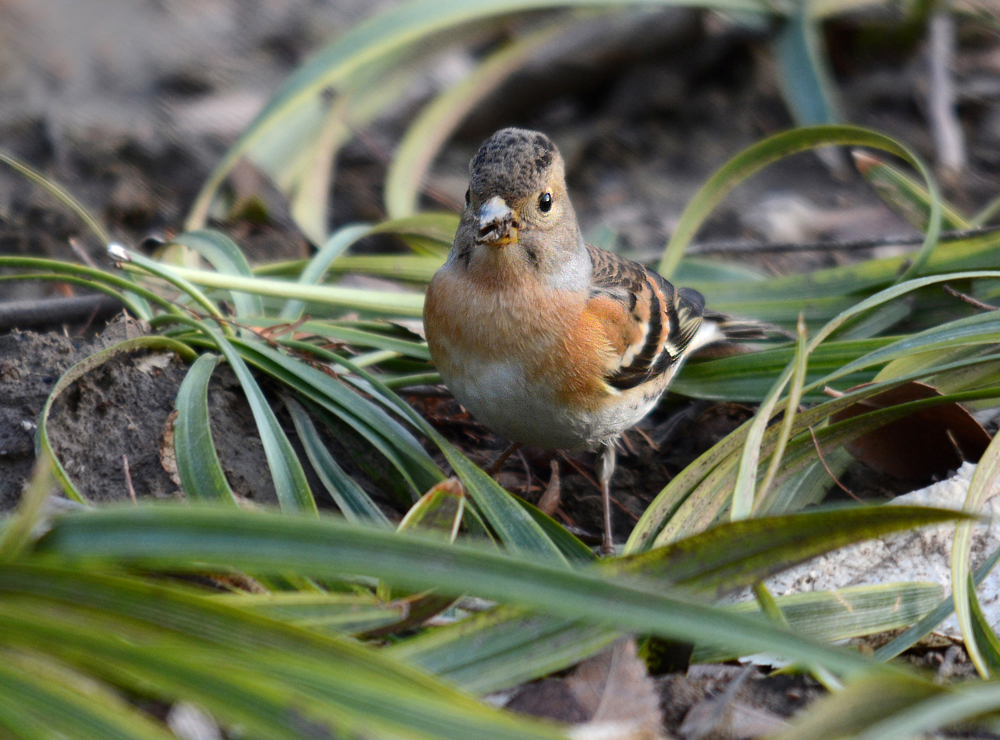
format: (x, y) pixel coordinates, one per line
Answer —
(545, 202)
(468, 196)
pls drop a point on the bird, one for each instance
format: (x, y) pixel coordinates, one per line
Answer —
(545, 339)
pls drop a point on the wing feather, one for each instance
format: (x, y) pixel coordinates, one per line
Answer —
(665, 319)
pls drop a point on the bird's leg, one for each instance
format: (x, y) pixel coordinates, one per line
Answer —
(605, 469)
(495, 466)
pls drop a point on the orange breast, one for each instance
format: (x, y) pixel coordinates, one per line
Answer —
(562, 347)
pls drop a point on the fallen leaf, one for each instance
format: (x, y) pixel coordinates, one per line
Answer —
(609, 697)
(168, 454)
(929, 442)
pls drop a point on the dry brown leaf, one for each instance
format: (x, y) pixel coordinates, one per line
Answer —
(929, 442)
(168, 455)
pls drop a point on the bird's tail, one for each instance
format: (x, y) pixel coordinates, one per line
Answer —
(731, 329)
(721, 335)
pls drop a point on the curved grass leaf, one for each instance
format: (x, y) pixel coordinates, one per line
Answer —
(981, 488)
(776, 147)
(849, 612)
(133, 296)
(140, 264)
(379, 38)
(905, 195)
(16, 530)
(40, 698)
(59, 193)
(660, 522)
(326, 613)
(198, 463)
(507, 645)
(800, 368)
(223, 254)
(743, 552)
(351, 499)
(858, 706)
(936, 712)
(43, 445)
(503, 647)
(384, 432)
(184, 537)
(386, 339)
(290, 482)
(521, 527)
(398, 304)
(426, 135)
(245, 669)
(343, 238)
(804, 76)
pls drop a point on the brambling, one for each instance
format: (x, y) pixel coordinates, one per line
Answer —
(547, 340)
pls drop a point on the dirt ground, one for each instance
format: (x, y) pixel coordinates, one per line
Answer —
(129, 105)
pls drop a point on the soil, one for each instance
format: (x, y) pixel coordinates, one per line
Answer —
(132, 116)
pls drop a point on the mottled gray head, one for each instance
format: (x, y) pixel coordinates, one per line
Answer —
(517, 217)
(514, 163)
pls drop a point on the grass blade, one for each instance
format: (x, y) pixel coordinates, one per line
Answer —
(185, 537)
(286, 471)
(198, 463)
(43, 445)
(981, 488)
(776, 147)
(335, 246)
(223, 254)
(426, 135)
(351, 498)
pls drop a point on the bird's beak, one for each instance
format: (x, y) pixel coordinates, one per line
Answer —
(497, 224)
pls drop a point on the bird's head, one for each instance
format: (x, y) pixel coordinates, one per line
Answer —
(517, 217)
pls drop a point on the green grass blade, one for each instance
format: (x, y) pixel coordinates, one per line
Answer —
(906, 196)
(55, 701)
(743, 552)
(186, 537)
(135, 298)
(986, 638)
(146, 265)
(43, 445)
(378, 38)
(198, 463)
(290, 482)
(245, 669)
(326, 613)
(520, 527)
(223, 254)
(426, 135)
(758, 156)
(502, 647)
(981, 488)
(859, 706)
(384, 340)
(924, 627)
(59, 193)
(934, 712)
(800, 368)
(350, 497)
(385, 433)
(15, 532)
(986, 214)
(335, 246)
(804, 76)
(399, 304)
(849, 612)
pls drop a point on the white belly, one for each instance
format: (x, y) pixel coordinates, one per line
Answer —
(498, 395)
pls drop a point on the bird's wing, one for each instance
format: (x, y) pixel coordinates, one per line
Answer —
(659, 320)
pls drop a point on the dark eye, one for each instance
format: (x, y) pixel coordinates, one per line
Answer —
(468, 196)
(545, 202)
